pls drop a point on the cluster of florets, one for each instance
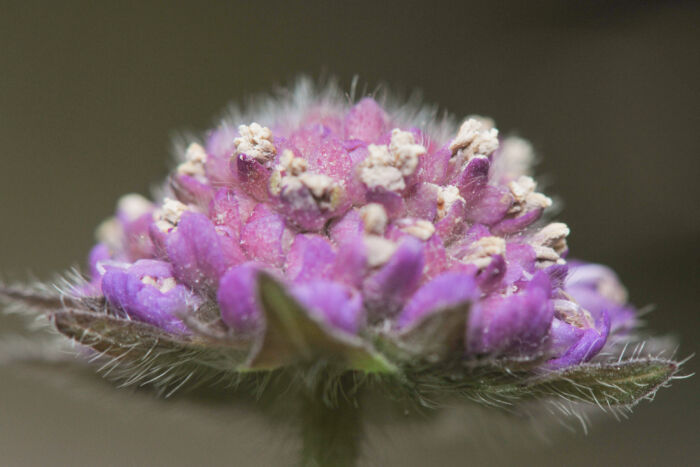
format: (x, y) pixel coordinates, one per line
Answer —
(314, 250)
(373, 224)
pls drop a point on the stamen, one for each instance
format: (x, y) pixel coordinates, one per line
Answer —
(111, 233)
(515, 158)
(377, 170)
(255, 141)
(549, 243)
(374, 218)
(163, 285)
(481, 251)
(379, 250)
(572, 313)
(386, 167)
(168, 217)
(553, 236)
(292, 165)
(419, 228)
(133, 206)
(405, 151)
(524, 195)
(447, 196)
(290, 177)
(195, 161)
(474, 138)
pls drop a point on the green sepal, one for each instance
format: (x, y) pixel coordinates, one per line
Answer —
(622, 383)
(433, 338)
(133, 341)
(609, 384)
(292, 335)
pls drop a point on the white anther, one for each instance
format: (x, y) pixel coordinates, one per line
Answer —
(546, 254)
(291, 164)
(374, 218)
(133, 206)
(168, 217)
(552, 236)
(195, 161)
(386, 166)
(321, 186)
(481, 252)
(163, 285)
(447, 196)
(572, 313)
(613, 290)
(487, 123)
(290, 176)
(379, 250)
(111, 233)
(474, 138)
(514, 159)
(323, 189)
(418, 228)
(387, 177)
(525, 196)
(405, 151)
(605, 280)
(255, 141)
(549, 243)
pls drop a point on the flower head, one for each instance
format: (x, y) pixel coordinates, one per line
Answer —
(364, 238)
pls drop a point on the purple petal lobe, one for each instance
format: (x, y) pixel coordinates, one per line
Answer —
(521, 261)
(453, 223)
(491, 278)
(310, 257)
(98, 254)
(473, 178)
(422, 202)
(387, 289)
(435, 257)
(485, 204)
(433, 166)
(511, 324)
(366, 121)
(333, 303)
(446, 290)
(350, 265)
(237, 298)
(262, 237)
(488, 206)
(583, 344)
(348, 229)
(225, 213)
(147, 291)
(597, 289)
(195, 249)
(394, 204)
(253, 176)
(190, 190)
(511, 225)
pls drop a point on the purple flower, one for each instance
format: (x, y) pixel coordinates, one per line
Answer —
(516, 323)
(147, 291)
(338, 305)
(447, 290)
(330, 239)
(367, 222)
(198, 253)
(237, 298)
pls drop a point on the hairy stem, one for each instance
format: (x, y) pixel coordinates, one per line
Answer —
(331, 435)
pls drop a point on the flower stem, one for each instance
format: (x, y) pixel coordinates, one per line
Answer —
(331, 435)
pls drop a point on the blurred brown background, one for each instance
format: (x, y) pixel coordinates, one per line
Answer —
(90, 94)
